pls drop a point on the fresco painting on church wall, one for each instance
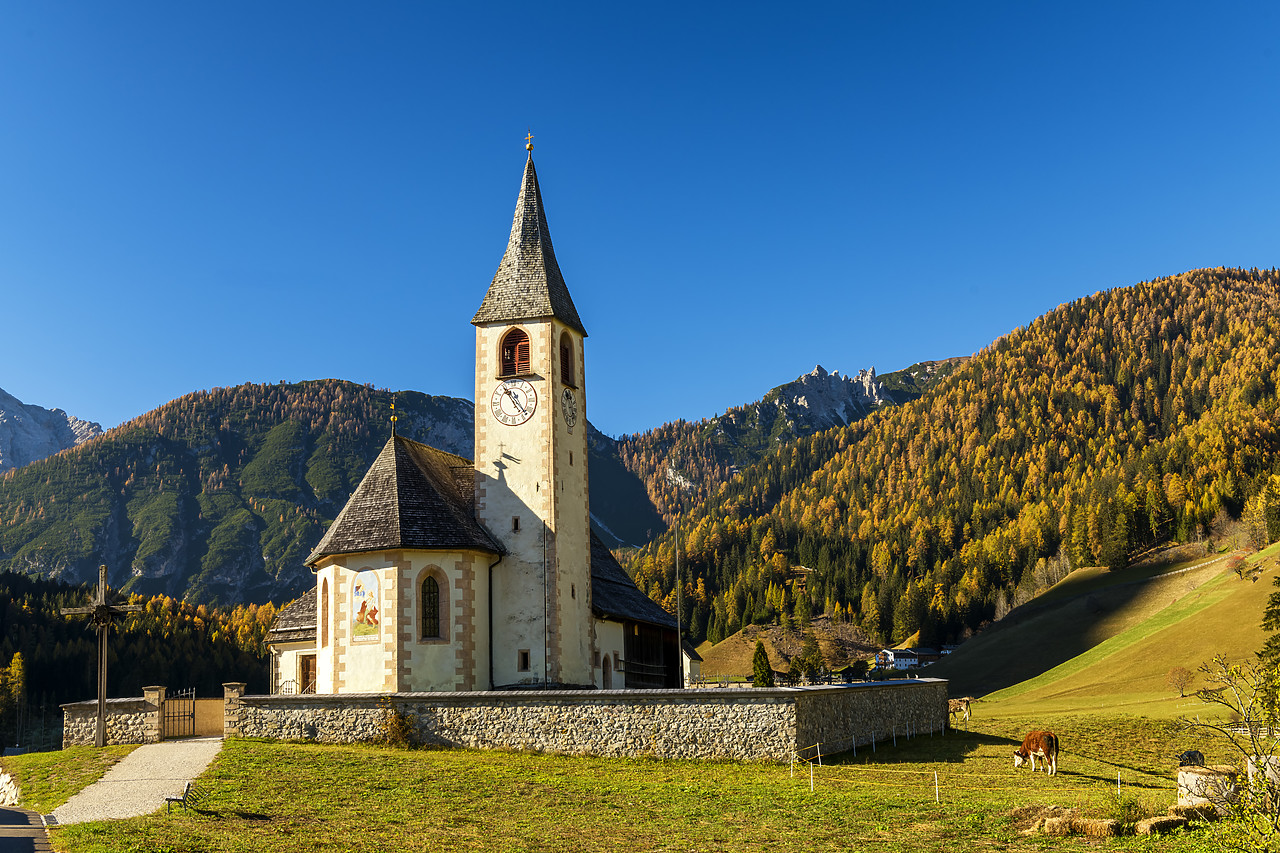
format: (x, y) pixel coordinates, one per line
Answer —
(364, 606)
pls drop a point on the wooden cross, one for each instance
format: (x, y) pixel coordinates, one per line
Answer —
(101, 615)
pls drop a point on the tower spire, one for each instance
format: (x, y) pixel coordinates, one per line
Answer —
(528, 284)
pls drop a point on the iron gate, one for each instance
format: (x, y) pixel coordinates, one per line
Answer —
(180, 714)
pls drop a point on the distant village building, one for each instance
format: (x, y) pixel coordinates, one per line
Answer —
(907, 658)
(447, 574)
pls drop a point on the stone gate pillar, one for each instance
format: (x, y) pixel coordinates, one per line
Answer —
(231, 693)
(153, 720)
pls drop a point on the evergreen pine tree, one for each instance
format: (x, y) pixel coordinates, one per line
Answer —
(762, 673)
(803, 610)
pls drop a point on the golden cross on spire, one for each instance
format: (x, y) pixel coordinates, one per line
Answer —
(528, 141)
(393, 416)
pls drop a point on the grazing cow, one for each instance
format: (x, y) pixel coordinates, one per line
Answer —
(1043, 744)
(959, 706)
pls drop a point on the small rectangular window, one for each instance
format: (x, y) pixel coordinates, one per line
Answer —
(522, 660)
(515, 524)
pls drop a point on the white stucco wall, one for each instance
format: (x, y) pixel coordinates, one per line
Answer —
(610, 637)
(393, 656)
(536, 471)
(286, 666)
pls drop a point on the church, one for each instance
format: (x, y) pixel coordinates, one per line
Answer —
(447, 574)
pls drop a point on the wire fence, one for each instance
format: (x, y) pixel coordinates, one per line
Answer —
(950, 778)
(35, 727)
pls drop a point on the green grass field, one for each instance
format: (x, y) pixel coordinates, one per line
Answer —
(1108, 640)
(48, 779)
(1107, 701)
(295, 797)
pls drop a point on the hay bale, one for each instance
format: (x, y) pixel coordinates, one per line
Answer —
(1057, 826)
(1029, 820)
(1092, 827)
(1097, 827)
(1207, 812)
(1159, 825)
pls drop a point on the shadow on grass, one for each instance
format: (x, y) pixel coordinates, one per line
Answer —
(953, 747)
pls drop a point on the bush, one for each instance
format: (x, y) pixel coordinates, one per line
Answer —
(399, 729)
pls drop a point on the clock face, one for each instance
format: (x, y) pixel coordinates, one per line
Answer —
(513, 402)
(569, 407)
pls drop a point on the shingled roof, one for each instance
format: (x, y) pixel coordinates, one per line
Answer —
(297, 622)
(413, 496)
(614, 595)
(528, 284)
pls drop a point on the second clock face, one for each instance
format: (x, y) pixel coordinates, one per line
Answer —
(513, 402)
(569, 407)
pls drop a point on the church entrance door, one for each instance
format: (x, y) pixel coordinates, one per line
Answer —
(306, 673)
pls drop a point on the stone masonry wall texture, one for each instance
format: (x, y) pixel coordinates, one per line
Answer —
(741, 723)
(126, 722)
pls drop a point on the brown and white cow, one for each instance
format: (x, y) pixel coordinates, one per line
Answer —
(1043, 744)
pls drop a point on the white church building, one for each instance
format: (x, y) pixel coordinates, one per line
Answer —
(447, 574)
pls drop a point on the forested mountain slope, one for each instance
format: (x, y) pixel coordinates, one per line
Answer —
(219, 496)
(1129, 416)
(168, 642)
(685, 462)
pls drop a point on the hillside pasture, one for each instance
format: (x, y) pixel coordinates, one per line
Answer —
(1056, 634)
(306, 797)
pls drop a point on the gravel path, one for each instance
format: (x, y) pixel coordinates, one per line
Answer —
(139, 782)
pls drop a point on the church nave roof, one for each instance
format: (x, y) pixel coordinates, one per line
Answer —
(413, 496)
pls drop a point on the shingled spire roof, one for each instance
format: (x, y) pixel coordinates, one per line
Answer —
(413, 496)
(528, 284)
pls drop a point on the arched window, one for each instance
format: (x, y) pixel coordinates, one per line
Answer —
(324, 612)
(515, 353)
(430, 609)
(566, 360)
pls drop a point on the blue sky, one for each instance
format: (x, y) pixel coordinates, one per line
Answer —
(199, 194)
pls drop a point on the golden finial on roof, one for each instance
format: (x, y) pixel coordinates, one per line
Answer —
(528, 141)
(393, 417)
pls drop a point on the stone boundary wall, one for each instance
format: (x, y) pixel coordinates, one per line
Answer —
(729, 723)
(128, 721)
(840, 721)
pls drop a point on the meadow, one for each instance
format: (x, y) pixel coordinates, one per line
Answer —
(930, 793)
(1119, 726)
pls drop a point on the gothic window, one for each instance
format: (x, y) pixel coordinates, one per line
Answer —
(430, 609)
(324, 613)
(566, 360)
(515, 353)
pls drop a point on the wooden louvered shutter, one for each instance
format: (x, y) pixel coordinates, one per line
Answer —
(566, 359)
(515, 353)
(522, 354)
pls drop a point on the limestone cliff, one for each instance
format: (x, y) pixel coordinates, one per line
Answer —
(28, 432)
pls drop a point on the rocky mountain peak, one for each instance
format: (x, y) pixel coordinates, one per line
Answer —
(29, 432)
(820, 400)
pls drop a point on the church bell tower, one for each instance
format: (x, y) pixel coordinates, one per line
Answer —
(531, 459)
